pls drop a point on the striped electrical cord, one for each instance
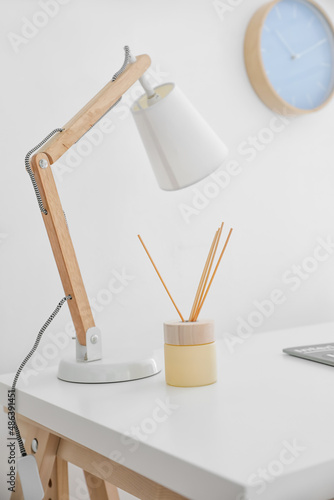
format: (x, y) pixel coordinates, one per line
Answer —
(24, 362)
(126, 62)
(44, 211)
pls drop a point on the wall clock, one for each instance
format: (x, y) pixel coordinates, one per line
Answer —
(289, 56)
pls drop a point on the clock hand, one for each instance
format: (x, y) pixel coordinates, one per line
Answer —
(315, 46)
(285, 43)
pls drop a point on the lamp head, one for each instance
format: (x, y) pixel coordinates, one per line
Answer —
(181, 146)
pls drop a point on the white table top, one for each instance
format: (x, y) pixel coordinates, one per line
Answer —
(217, 440)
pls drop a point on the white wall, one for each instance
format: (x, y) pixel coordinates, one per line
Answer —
(279, 205)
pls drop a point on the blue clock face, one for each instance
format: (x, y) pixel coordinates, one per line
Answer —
(297, 45)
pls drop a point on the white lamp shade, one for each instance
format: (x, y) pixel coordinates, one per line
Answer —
(181, 146)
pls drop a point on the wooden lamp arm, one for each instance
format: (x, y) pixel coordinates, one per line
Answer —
(95, 109)
(54, 221)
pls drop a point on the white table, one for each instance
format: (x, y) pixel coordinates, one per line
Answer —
(213, 445)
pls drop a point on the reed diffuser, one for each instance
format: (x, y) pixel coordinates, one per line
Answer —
(190, 350)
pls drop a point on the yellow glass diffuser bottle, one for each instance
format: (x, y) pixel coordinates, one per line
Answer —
(190, 353)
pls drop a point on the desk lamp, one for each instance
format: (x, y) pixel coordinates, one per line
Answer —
(182, 148)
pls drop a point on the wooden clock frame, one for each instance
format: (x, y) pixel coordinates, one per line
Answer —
(256, 70)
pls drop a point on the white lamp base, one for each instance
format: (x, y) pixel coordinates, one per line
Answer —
(121, 367)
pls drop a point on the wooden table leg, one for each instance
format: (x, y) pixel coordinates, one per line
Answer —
(58, 486)
(51, 492)
(62, 479)
(45, 456)
(55, 452)
(99, 489)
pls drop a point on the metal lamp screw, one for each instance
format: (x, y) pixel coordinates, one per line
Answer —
(94, 339)
(43, 163)
(34, 445)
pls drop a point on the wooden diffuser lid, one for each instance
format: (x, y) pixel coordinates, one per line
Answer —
(189, 332)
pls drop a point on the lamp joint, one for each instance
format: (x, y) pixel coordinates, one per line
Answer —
(43, 163)
(92, 351)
